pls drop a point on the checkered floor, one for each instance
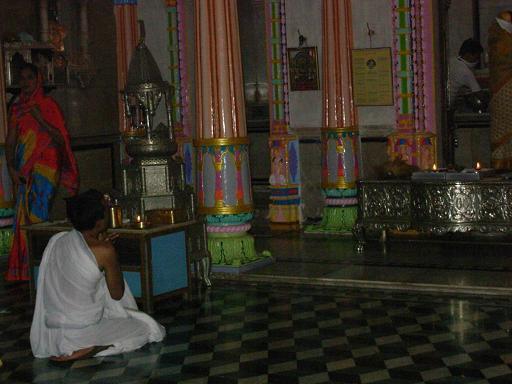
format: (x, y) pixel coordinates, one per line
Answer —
(280, 334)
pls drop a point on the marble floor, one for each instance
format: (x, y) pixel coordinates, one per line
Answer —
(481, 266)
(290, 334)
(313, 316)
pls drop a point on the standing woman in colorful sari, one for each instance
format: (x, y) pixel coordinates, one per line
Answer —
(39, 156)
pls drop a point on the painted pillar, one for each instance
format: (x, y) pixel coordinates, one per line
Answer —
(125, 12)
(284, 208)
(414, 140)
(223, 178)
(6, 191)
(43, 20)
(84, 30)
(179, 83)
(340, 134)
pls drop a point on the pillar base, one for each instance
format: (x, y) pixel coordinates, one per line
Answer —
(6, 235)
(233, 249)
(284, 214)
(336, 220)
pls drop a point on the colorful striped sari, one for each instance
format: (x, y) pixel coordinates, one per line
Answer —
(42, 164)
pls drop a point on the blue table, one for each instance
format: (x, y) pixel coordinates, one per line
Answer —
(155, 261)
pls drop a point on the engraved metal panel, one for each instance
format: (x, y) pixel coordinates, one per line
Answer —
(441, 207)
(156, 180)
(384, 205)
(444, 202)
(496, 203)
(436, 207)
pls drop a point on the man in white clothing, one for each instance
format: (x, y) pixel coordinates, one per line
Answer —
(83, 306)
(462, 79)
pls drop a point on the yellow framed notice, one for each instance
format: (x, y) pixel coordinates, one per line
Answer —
(372, 76)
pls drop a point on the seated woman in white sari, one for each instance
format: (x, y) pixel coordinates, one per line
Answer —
(83, 306)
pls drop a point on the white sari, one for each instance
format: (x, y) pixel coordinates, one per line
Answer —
(74, 309)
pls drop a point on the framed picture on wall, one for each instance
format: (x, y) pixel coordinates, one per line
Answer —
(303, 69)
(372, 76)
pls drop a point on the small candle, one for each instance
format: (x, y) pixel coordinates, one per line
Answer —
(434, 167)
(141, 225)
(478, 167)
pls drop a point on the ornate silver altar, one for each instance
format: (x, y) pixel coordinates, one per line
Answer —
(154, 182)
(436, 207)
(154, 188)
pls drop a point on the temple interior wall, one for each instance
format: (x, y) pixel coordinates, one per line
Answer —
(92, 113)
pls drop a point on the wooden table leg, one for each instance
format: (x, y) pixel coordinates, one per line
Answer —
(146, 276)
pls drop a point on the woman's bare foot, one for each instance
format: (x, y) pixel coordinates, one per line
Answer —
(81, 354)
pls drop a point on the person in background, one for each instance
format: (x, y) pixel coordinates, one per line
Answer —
(84, 307)
(462, 79)
(500, 81)
(39, 156)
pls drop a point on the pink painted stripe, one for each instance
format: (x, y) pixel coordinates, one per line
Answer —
(228, 228)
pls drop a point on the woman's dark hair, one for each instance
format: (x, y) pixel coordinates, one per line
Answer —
(31, 67)
(470, 46)
(85, 209)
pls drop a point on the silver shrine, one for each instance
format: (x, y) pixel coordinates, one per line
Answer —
(154, 182)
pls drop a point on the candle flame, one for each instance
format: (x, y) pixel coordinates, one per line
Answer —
(478, 167)
(138, 218)
(434, 167)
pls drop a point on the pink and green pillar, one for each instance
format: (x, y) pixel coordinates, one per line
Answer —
(414, 140)
(285, 184)
(178, 71)
(223, 178)
(340, 133)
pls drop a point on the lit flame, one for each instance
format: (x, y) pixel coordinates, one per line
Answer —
(434, 167)
(478, 167)
(138, 218)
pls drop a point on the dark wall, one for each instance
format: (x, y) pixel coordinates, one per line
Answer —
(17, 16)
(92, 109)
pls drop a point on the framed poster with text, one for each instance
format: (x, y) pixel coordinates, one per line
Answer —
(372, 76)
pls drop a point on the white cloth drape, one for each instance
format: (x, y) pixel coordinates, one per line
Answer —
(74, 309)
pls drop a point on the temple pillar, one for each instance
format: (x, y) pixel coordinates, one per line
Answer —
(84, 30)
(340, 134)
(223, 178)
(179, 84)
(6, 190)
(125, 13)
(43, 20)
(414, 140)
(284, 207)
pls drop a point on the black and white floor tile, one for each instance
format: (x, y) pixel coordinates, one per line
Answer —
(283, 334)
